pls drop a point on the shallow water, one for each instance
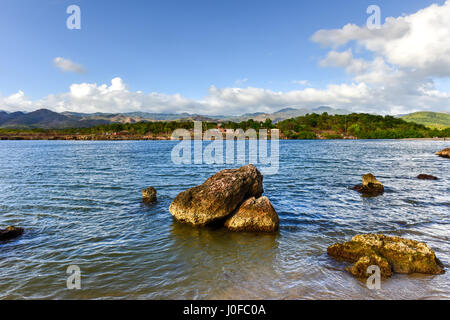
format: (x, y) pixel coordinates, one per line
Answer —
(80, 203)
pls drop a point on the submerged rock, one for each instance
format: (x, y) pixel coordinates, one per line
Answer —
(10, 233)
(426, 177)
(402, 255)
(444, 153)
(218, 196)
(370, 187)
(254, 215)
(149, 194)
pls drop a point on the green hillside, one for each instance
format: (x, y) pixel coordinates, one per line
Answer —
(429, 119)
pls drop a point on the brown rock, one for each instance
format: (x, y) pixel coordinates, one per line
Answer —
(254, 215)
(10, 233)
(359, 269)
(218, 196)
(426, 177)
(370, 187)
(149, 194)
(405, 256)
(444, 153)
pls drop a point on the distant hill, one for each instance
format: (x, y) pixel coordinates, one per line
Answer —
(429, 119)
(286, 113)
(47, 119)
(133, 117)
(44, 119)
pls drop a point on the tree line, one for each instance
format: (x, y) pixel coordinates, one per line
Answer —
(310, 126)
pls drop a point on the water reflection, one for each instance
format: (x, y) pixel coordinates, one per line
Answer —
(220, 260)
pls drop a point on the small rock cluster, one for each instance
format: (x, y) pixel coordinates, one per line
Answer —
(371, 187)
(391, 254)
(231, 197)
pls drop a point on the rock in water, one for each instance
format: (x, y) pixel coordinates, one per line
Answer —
(218, 196)
(254, 215)
(426, 177)
(10, 233)
(359, 269)
(149, 194)
(444, 153)
(403, 255)
(370, 187)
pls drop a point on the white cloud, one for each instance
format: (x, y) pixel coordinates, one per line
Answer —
(419, 41)
(90, 97)
(337, 59)
(392, 69)
(66, 65)
(409, 52)
(15, 102)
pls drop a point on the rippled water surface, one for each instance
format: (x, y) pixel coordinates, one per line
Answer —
(80, 203)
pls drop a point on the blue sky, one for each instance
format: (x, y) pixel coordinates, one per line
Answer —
(180, 47)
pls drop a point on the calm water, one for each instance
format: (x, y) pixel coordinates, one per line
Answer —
(80, 203)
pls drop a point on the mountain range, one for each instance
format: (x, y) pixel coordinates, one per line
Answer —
(47, 119)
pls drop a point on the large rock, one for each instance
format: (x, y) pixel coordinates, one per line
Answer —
(10, 233)
(403, 255)
(218, 196)
(370, 187)
(149, 195)
(254, 215)
(444, 153)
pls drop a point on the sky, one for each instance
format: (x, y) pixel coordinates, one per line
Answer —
(224, 57)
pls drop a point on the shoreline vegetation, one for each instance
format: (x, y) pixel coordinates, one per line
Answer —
(309, 127)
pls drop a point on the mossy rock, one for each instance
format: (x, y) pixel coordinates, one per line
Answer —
(218, 197)
(359, 268)
(403, 255)
(254, 215)
(149, 195)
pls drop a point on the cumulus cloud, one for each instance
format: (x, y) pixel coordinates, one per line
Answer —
(90, 97)
(392, 70)
(15, 102)
(409, 52)
(419, 41)
(66, 65)
(338, 59)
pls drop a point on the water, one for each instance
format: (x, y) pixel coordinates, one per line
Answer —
(80, 203)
